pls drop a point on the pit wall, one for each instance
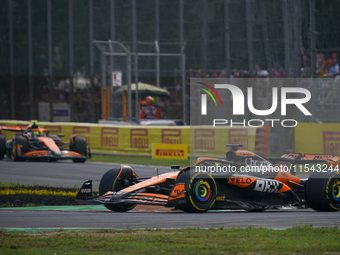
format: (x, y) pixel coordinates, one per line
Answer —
(318, 138)
(138, 140)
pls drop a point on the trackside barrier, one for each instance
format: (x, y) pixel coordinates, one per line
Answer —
(318, 138)
(138, 140)
(262, 141)
(211, 142)
(169, 151)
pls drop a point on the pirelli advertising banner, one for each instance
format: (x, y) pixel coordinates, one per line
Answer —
(211, 142)
(169, 151)
(318, 138)
(139, 140)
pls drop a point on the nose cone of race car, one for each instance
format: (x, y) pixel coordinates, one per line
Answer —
(51, 145)
(56, 153)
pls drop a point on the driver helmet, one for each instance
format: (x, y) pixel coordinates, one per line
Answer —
(35, 132)
(150, 100)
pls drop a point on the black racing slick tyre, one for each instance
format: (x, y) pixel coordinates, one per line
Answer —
(323, 191)
(78, 144)
(200, 191)
(2, 146)
(115, 180)
(19, 146)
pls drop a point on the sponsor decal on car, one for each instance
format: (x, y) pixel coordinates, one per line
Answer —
(220, 198)
(85, 191)
(179, 188)
(269, 186)
(37, 154)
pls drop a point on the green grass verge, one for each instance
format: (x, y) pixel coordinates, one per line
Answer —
(139, 160)
(297, 240)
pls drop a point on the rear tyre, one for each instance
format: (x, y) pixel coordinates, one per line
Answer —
(2, 146)
(200, 192)
(110, 182)
(323, 191)
(78, 144)
(19, 146)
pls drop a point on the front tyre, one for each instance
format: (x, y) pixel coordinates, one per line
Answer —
(200, 192)
(2, 146)
(115, 180)
(78, 144)
(323, 191)
(19, 146)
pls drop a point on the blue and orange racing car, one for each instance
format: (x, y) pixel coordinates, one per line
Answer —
(35, 143)
(244, 180)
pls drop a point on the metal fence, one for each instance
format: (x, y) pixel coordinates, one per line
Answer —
(46, 45)
(145, 62)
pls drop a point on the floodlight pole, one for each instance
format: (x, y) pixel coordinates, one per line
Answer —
(11, 57)
(129, 85)
(183, 85)
(312, 35)
(286, 37)
(134, 49)
(50, 57)
(103, 61)
(157, 63)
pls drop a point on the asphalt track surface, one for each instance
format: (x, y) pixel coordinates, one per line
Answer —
(63, 173)
(68, 174)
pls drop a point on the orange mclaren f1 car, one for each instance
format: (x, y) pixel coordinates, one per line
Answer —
(244, 180)
(36, 143)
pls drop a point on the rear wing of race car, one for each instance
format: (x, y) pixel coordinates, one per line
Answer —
(324, 161)
(302, 158)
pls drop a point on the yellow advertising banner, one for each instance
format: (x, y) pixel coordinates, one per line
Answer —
(318, 138)
(169, 151)
(208, 141)
(138, 140)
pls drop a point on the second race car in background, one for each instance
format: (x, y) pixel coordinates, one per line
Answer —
(36, 143)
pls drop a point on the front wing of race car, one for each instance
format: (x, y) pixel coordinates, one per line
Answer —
(134, 198)
(46, 154)
(140, 193)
